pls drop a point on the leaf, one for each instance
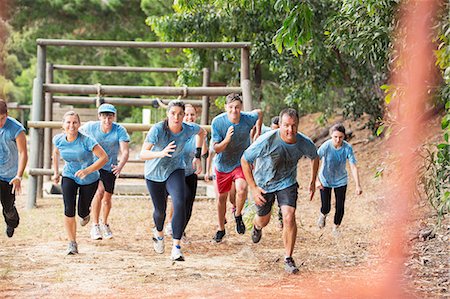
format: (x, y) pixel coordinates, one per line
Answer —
(380, 130)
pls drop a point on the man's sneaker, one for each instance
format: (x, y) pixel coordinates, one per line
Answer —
(96, 234)
(9, 231)
(240, 226)
(256, 234)
(289, 266)
(158, 242)
(321, 220)
(176, 254)
(219, 236)
(72, 248)
(85, 220)
(106, 231)
(168, 229)
(336, 231)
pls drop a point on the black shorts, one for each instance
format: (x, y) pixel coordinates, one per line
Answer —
(285, 197)
(108, 179)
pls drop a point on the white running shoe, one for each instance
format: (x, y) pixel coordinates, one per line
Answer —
(72, 248)
(96, 234)
(106, 231)
(336, 231)
(158, 242)
(168, 229)
(176, 254)
(321, 220)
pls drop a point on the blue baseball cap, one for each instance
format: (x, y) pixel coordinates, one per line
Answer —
(107, 108)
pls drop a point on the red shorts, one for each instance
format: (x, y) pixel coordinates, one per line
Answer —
(224, 180)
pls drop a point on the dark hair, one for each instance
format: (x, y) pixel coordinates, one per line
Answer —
(174, 103)
(190, 105)
(291, 112)
(3, 107)
(338, 127)
(275, 120)
(233, 97)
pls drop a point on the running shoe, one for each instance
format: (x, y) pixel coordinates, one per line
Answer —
(240, 226)
(9, 231)
(336, 231)
(85, 220)
(158, 242)
(96, 234)
(106, 231)
(176, 254)
(321, 220)
(72, 248)
(219, 236)
(289, 266)
(256, 234)
(168, 229)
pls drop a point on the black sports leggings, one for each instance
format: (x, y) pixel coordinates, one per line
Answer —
(325, 196)
(9, 208)
(86, 194)
(175, 186)
(191, 190)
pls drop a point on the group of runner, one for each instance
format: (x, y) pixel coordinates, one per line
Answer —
(96, 152)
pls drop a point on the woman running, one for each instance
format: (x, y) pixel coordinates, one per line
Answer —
(80, 173)
(334, 154)
(163, 150)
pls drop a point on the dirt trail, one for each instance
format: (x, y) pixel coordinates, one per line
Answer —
(33, 264)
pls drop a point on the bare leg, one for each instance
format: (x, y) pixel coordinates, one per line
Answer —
(106, 206)
(289, 229)
(222, 209)
(241, 195)
(71, 228)
(96, 204)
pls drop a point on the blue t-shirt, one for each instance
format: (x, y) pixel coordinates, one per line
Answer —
(332, 172)
(110, 141)
(159, 169)
(230, 158)
(9, 157)
(276, 161)
(265, 129)
(77, 155)
(189, 155)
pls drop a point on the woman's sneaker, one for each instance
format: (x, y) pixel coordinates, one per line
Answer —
(158, 242)
(72, 248)
(176, 254)
(289, 266)
(321, 220)
(85, 220)
(96, 234)
(106, 231)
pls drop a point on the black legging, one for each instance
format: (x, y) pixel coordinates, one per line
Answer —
(69, 190)
(9, 208)
(325, 196)
(175, 187)
(191, 190)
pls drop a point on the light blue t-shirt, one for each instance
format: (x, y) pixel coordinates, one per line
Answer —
(9, 157)
(77, 155)
(276, 161)
(332, 172)
(230, 158)
(265, 129)
(159, 169)
(189, 154)
(110, 141)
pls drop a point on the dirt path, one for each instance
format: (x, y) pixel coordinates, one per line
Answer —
(33, 264)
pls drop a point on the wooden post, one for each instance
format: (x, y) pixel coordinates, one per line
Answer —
(205, 99)
(38, 103)
(245, 79)
(48, 132)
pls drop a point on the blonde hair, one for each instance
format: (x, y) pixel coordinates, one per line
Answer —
(71, 113)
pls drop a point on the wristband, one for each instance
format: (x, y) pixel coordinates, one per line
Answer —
(206, 155)
(198, 152)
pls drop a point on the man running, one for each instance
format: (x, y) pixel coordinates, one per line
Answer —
(113, 138)
(275, 156)
(231, 136)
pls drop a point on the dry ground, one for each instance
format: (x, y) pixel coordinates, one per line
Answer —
(33, 264)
